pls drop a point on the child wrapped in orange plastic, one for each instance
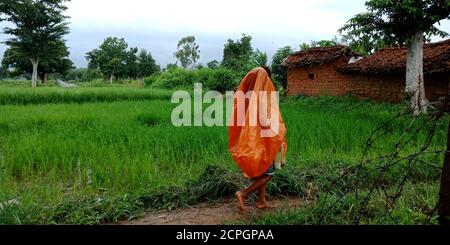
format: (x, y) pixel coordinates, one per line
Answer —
(258, 147)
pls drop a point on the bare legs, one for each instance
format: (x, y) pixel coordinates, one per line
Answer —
(262, 202)
(260, 184)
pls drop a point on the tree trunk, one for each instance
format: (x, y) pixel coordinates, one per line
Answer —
(45, 80)
(415, 88)
(444, 193)
(111, 77)
(34, 76)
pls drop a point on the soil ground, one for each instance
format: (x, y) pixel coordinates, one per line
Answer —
(221, 212)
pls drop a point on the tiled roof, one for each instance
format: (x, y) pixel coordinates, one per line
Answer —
(436, 59)
(385, 61)
(318, 56)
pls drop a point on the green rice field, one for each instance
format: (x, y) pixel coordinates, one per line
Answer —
(97, 155)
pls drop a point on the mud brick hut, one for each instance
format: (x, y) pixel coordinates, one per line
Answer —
(338, 71)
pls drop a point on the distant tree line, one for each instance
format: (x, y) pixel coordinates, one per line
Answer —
(238, 58)
(37, 48)
(115, 60)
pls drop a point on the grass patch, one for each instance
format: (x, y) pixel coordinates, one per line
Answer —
(41, 95)
(411, 208)
(99, 162)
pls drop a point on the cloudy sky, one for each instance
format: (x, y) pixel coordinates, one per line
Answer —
(158, 25)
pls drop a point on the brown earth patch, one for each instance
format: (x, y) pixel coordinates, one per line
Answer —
(220, 212)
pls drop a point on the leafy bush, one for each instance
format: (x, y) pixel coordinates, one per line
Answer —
(174, 78)
(148, 81)
(220, 79)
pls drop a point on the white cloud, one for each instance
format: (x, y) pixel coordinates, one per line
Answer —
(216, 17)
(272, 24)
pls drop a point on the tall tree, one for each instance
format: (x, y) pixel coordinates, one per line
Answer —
(237, 54)
(279, 71)
(111, 57)
(363, 45)
(15, 63)
(131, 65)
(19, 64)
(39, 28)
(60, 66)
(3, 73)
(213, 64)
(259, 58)
(187, 52)
(146, 64)
(403, 23)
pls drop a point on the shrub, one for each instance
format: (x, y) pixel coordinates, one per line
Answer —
(148, 81)
(220, 79)
(174, 78)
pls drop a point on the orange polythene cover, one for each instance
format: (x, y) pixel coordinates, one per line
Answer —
(256, 131)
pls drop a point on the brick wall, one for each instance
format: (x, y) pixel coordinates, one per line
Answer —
(387, 88)
(316, 80)
(437, 85)
(328, 81)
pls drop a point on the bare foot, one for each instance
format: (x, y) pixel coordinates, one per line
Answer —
(240, 200)
(264, 205)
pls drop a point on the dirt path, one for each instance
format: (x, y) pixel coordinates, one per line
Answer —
(223, 211)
